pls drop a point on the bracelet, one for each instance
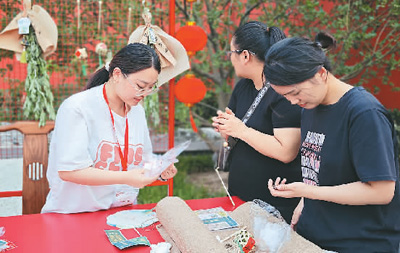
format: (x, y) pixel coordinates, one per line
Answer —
(162, 179)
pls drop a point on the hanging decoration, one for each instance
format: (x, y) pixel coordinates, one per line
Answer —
(173, 56)
(78, 5)
(192, 37)
(128, 25)
(32, 34)
(190, 90)
(99, 22)
(82, 55)
(39, 98)
(10, 38)
(101, 50)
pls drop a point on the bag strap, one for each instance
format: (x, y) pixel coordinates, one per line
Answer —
(248, 114)
(255, 103)
(225, 148)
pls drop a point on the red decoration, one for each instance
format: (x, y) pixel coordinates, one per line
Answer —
(192, 37)
(190, 90)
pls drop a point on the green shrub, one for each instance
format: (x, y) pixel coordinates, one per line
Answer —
(195, 162)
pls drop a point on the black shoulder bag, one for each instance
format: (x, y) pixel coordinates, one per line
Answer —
(230, 143)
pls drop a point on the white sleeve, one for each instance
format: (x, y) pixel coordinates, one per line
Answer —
(71, 138)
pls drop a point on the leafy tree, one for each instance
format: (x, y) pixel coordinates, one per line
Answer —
(367, 34)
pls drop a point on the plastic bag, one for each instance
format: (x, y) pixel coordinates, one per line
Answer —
(269, 228)
(156, 164)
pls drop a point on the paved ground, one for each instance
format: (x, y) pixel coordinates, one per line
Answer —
(210, 180)
(10, 180)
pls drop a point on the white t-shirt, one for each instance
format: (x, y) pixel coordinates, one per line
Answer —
(83, 136)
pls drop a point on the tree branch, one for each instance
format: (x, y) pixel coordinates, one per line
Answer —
(368, 62)
(206, 75)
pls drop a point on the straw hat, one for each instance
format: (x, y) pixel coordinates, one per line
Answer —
(173, 56)
(44, 26)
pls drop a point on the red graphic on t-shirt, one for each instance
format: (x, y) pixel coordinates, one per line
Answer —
(311, 157)
(107, 157)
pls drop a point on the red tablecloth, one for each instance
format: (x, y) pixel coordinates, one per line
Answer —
(84, 232)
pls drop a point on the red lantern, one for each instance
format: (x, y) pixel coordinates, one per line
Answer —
(190, 90)
(192, 37)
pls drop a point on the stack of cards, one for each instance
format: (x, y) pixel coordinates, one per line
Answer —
(216, 218)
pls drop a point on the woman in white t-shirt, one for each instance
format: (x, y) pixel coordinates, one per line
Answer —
(101, 137)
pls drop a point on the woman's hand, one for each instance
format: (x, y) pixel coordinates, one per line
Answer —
(228, 124)
(137, 178)
(281, 189)
(296, 214)
(217, 122)
(170, 172)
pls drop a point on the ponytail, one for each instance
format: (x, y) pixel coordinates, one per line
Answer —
(98, 78)
(325, 40)
(257, 38)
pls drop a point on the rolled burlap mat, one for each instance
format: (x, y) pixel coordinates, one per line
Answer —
(185, 228)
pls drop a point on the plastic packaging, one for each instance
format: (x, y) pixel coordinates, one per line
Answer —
(156, 164)
(269, 228)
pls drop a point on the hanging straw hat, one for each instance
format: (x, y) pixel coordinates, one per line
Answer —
(44, 26)
(173, 56)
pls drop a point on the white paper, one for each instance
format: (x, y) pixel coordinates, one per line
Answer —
(132, 219)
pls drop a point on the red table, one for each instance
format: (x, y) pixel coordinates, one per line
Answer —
(84, 232)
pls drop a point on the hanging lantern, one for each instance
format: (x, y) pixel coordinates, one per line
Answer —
(192, 37)
(190, 90)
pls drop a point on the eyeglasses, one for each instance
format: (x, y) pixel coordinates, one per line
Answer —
(141, 91)
(237, 51)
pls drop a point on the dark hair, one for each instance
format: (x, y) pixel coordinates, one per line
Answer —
(294, 60)
(257, 38)
(132, 58)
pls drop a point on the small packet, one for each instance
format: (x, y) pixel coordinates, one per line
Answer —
(245, 241)
(119, 240)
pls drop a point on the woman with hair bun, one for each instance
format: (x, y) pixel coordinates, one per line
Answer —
(101, 136)
(350, 189)
(268, 142)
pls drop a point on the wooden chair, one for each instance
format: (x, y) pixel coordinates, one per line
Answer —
(35, 155)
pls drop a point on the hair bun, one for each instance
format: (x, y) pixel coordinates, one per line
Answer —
(325, 41)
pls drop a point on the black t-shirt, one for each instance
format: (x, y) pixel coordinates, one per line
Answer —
(349, 141)
(250, 170)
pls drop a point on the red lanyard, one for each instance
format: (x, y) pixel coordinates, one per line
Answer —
(124, 157)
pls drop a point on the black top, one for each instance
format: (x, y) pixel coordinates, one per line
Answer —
(349, 141)
(250, 170)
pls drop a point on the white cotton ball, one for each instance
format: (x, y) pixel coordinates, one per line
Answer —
(274, 235)
(162, 247)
